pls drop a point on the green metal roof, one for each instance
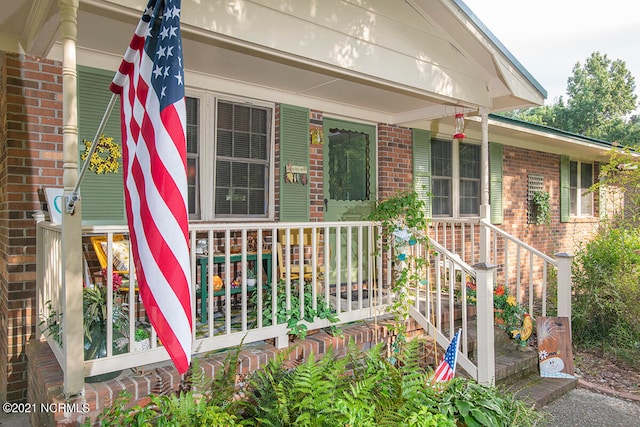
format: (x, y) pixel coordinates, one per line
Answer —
(552, 130)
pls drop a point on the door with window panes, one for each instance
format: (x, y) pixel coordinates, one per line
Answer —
(349, 170)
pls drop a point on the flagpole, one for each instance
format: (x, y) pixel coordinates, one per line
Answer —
(73, 198)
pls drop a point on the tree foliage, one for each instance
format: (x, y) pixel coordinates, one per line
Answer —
(600, 103)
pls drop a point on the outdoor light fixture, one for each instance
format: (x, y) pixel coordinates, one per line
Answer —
(459, 124)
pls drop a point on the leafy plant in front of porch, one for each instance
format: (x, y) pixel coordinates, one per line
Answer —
(360, 389)
(294, 317)
(404, 224)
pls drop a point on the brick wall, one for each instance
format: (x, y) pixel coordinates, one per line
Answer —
(315, 177)
(31, 159)
(518, 163)
(395, 166)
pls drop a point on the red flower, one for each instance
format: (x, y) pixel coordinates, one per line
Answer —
(499, 291)
(116, 279)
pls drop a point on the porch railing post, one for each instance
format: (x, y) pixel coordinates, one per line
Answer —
(485, 275)
(565, 261)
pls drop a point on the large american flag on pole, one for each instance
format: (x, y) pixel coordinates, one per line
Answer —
(150, 82)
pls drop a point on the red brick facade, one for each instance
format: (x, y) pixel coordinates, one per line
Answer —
(31, 159)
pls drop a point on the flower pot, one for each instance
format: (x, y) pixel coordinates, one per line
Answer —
(144, 344)
(498, 319)
(251, 282)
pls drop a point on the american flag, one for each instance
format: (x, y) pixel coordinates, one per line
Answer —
(150, 82)
(447, 368)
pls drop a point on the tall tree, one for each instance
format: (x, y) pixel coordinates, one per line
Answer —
(601, 94)
(600, 99)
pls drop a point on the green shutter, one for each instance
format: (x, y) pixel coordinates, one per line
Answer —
(602, 199)
(102, 196)
(422, 166)
(495, 182)
(565, 194)
(294, 148)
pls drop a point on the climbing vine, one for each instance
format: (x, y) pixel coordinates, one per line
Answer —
(541, 207)
(404, 230)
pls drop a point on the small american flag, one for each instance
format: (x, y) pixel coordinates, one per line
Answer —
(150, 82)
(447, 368)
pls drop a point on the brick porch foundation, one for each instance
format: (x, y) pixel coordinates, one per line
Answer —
(46, 377)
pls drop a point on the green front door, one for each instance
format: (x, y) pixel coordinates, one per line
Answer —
(349, 187)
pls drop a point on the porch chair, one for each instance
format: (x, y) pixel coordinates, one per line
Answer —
(294, 243)
(120, 255)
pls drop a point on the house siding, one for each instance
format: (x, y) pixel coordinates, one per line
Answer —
(31, 159)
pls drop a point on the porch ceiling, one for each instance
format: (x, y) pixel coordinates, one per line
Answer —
(283, 75)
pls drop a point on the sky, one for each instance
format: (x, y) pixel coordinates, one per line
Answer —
(548, 37)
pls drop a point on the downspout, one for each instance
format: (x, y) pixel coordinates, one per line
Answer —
(485, 206)
(73, 335)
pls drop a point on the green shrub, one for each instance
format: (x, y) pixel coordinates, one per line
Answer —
(606, 304)
(358, 390)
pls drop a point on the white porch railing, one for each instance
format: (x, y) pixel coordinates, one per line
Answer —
(476, 248)
(330, 253)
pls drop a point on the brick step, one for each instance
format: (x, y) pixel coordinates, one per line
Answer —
(539, 392)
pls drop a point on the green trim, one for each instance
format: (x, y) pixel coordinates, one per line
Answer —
(565, 194)
(495, 182)
(102, 196)
(422, 167)
(295, 198)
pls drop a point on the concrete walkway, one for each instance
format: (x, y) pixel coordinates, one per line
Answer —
(581, 407)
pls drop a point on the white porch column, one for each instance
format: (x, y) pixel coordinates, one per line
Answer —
(486, 352)
(485, 207)
(73, 336)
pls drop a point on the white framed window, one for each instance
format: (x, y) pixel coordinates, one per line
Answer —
(455, 178)
(580, 180)
(229, 157)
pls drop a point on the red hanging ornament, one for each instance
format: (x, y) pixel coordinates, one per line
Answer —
(459, 124)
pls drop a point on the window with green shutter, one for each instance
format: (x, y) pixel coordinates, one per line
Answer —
(294, 151)
(102, 195)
